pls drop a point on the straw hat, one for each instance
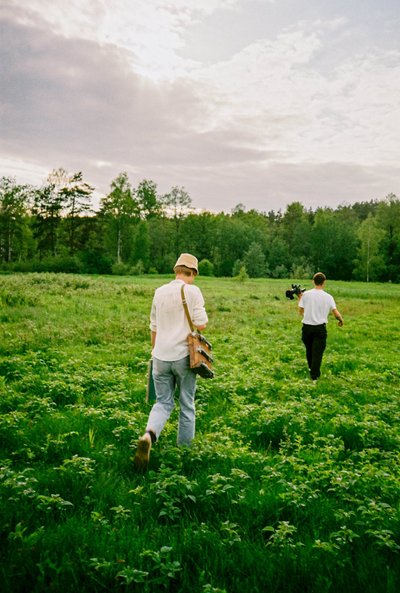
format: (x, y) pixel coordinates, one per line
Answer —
(189, 261)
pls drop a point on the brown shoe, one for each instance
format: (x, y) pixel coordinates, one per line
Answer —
(142, 457)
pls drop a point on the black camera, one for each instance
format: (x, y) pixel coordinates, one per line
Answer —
(295, 290)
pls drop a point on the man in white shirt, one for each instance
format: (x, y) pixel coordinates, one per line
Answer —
(315, 306)
(169, 330)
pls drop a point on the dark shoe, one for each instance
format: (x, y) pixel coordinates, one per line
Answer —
(142, 456)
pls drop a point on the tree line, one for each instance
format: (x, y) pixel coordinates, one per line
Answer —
(136, 230)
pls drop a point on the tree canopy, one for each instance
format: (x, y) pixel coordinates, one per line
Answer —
(137, 230)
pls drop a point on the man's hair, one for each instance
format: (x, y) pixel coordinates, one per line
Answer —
(185, 271)
(319, 278)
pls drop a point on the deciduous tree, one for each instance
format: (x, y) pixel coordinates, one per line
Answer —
(13, 218)
(370, 262)
(148, 201)
(388, 216)
(77, 194)
(47, 209)
(177, 205)
(254, 261)
(120, 210)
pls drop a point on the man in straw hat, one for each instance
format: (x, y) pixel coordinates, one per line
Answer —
(169, 330)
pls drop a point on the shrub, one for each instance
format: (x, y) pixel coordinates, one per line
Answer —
(120, 269)
(303, 271)
(65, 264)
(206, 268)
(137, 269)
(243, 275)
(95, 261)
(236, 267)
(280, 271)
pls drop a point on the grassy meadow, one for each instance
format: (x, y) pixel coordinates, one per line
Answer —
(288, 487)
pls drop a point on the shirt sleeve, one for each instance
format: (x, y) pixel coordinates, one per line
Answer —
(302, 301)
(199, 315)
(333, 304)
(153, 318)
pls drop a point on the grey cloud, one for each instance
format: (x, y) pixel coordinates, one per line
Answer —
(74, 102)
(71, 103)
(273, 186)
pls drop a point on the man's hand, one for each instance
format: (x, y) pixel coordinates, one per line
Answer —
(338, 317)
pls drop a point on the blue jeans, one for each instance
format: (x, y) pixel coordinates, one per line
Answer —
(166, 376)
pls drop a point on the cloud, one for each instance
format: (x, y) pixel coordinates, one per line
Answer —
(268, 125)
(345, 113)
(152, 31)
(277, 184)
(88, 106)
(266, 75)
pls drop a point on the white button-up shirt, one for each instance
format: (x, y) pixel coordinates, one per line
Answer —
(168, 319)
(317, 305)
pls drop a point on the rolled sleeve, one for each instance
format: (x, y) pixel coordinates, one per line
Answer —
(199, 312)
(153, 324)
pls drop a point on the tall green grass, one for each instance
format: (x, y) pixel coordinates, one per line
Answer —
(287, 487)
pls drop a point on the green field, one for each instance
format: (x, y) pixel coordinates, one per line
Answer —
(288, 487)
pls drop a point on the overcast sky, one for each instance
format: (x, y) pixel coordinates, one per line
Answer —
(260, 102)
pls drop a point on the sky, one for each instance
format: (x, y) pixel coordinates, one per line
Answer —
(254, 102)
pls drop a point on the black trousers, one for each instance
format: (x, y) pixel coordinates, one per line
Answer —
(314, 339)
